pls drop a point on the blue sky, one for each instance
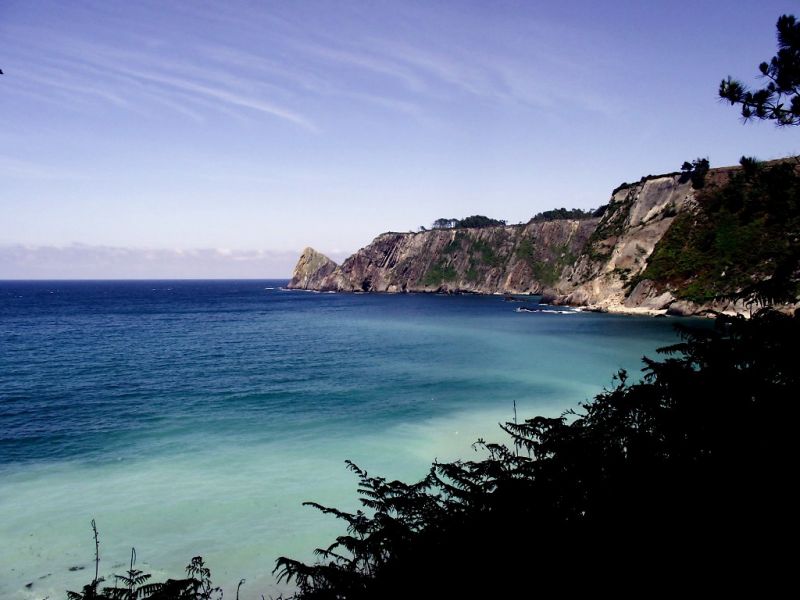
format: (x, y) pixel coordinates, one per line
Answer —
(217, 139)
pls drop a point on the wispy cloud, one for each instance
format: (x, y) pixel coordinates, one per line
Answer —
(283, 67)
(121, 77)
(361, 59)
(521, 69)
(219, 93)
(12, 167)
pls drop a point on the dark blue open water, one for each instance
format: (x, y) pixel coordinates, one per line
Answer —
(193, 417)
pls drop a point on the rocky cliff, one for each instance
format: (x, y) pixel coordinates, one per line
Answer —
(519, 259)
(602, 263)
(618, 250)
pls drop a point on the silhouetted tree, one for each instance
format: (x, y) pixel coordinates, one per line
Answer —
(444, 223)
(696, 171)
(779, 100)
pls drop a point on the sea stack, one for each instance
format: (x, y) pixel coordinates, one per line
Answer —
(310, 270)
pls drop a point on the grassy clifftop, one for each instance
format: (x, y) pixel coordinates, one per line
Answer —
(743, 230)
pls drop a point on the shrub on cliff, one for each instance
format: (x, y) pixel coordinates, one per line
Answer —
(473, 222)
(476, 221)
(563, 213)
(647, 483)
(695, 171)
(742, 241)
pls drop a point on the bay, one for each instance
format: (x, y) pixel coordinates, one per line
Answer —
(194, 417)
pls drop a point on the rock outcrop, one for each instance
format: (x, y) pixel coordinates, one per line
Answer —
(311, 269)
(599, 263)
(634, 222)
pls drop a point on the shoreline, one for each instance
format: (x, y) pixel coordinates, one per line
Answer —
(676, 308)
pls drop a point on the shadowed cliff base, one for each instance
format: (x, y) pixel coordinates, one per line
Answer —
(687, 243)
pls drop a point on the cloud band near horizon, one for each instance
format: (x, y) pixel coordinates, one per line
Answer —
(81, 261)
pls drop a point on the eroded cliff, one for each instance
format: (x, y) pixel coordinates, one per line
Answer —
(618, 250)
(518, 259)
(603, 263)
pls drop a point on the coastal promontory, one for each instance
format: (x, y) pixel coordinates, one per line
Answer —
(662, 244)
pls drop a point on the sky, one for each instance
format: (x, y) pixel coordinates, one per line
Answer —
(156, 139)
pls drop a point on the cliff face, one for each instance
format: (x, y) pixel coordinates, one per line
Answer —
(613, 263)
(517, 259)
(618, 250)
(587, 262)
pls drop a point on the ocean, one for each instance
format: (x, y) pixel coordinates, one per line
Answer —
(194, 417)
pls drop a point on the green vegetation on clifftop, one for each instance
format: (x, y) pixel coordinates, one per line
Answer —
(744, 230)
(473, 222)
(576, 214)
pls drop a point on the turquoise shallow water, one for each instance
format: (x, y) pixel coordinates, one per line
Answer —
(194, 417)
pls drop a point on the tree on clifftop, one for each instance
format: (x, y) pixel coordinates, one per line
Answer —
(780, 99)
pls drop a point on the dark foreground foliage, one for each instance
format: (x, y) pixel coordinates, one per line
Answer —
(681, 481)
(135, 584)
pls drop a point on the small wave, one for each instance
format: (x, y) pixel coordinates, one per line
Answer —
(549, 311)
(269, 288)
